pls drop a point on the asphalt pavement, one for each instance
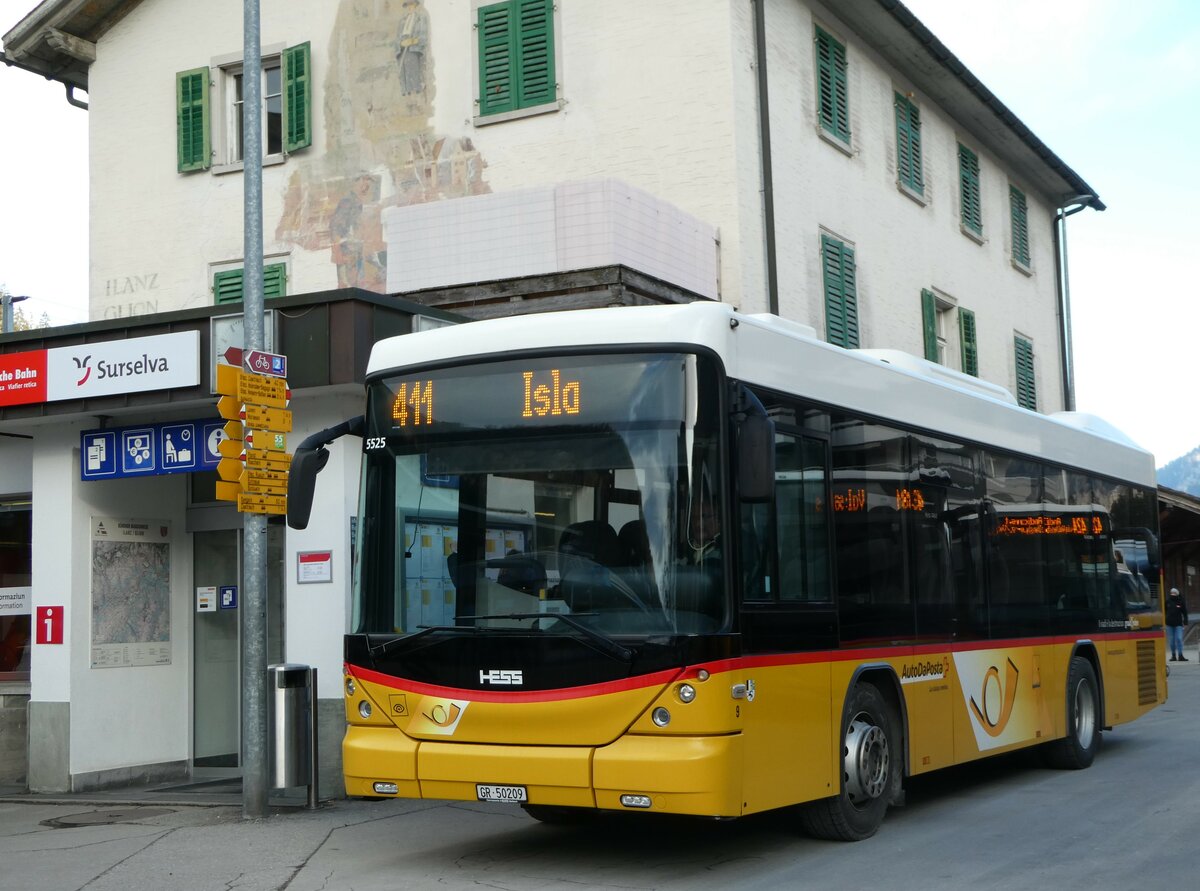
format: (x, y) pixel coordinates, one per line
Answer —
(155, 838)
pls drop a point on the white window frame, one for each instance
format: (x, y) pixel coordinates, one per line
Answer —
(226, 108)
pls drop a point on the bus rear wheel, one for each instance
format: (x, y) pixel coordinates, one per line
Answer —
(870, 772)
(1078, 748)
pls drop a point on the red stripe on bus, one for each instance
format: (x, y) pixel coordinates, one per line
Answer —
(739, 663)
(656, 679)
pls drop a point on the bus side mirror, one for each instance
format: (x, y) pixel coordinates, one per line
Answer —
(311, 456)
(302, 481)
(756, 459)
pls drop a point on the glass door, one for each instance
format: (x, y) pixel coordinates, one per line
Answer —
(216, 644)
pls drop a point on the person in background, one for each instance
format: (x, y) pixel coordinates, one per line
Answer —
(1177, 619)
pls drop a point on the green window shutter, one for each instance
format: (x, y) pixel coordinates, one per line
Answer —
(908, 145)
(297, 97)
(536, 84)
(841, 296)
(968, 181)
(929, 324)
(1026, 383)
(516, 55)
(497, 62)
(966, 336)
(1020, 225)
(192, 129)
(275, 280)
(833, 97)
(228, 285)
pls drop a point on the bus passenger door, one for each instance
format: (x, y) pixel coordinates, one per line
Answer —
(787, 607)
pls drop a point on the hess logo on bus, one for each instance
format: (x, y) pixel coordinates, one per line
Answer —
(502, 677)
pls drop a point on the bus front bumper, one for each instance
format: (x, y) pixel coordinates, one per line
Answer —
(679, 774)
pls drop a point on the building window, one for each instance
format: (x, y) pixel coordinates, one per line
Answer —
(968, 190)
(1026, 383)
(968, 341)
(272, 112)
(841, 296)
(1020, 227)
(286, 112)
(228, 288)
(16, 549)
(908, 145)
(938, 330)
(516, 57)
(833, 101)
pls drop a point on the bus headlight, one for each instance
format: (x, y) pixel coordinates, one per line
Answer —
(350, 688)
(364, 708)
(686, 692)
(661, 717)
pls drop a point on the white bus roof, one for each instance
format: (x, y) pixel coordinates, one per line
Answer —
(787, 357)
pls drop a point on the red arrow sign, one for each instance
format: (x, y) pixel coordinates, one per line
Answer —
(233, 356)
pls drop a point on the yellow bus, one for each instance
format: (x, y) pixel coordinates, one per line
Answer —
(686, 560)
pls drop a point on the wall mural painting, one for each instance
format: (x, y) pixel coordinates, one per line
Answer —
(380, 148)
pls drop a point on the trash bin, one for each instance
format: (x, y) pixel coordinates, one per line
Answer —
(291, 731)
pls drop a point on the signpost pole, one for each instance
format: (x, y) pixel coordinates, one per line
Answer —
(254, 565)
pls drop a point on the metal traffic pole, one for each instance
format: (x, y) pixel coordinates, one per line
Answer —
(254, 529)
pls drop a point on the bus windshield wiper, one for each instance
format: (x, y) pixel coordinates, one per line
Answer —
(602, 642)
(386, 648)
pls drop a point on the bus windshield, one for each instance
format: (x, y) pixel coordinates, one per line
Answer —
(504, 494)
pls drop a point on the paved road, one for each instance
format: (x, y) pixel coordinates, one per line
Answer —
(1130, 821)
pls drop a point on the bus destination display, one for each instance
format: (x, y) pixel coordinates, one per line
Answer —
(592, 389)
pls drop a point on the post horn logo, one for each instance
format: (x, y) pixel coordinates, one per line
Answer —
(1003, 695)
(444, 714)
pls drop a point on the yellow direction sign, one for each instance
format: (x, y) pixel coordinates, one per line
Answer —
(228, 377)
(228, 491)
(254, 389)
(254, 484)
(233, 429)
(230, 448)
(230, 469)
(262, 504)
(265, 439)
(261, 459)
(259, 417)
(229, 408)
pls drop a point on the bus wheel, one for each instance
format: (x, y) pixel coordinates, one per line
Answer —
(557, 815)
(870, 768)
(1078, 749)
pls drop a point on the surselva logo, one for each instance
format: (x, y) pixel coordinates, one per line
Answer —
(995, 704)
(85, 367)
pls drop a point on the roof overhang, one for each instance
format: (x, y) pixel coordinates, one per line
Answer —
(58, 38)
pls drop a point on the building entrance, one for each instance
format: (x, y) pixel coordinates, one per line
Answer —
(216, 644)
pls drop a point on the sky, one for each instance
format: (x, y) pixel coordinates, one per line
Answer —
(1113, 88)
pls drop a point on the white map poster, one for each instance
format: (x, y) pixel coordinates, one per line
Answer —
(131, 592)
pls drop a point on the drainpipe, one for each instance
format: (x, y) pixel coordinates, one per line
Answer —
(764, 140)
(1063, 280)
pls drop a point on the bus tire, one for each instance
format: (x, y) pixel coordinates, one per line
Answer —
(558, 815)
(1078, 748)
(870, 771)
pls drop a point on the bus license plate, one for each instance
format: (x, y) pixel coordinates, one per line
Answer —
(500, 793)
